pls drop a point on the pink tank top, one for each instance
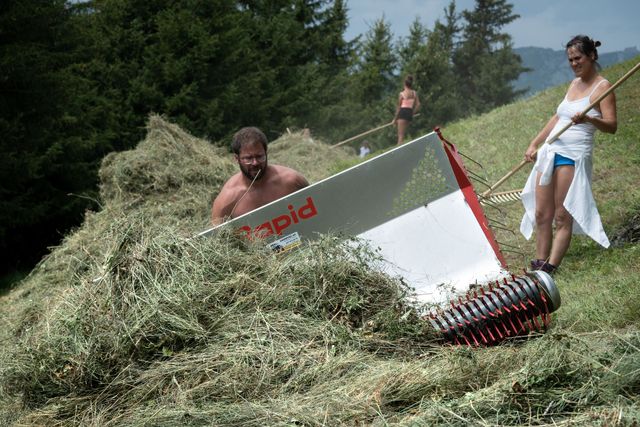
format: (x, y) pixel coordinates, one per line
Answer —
(408, 102)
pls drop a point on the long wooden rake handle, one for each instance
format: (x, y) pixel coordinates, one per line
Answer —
(567, 126)
(365, 133)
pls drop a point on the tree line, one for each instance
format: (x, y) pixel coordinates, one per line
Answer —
(78, 80)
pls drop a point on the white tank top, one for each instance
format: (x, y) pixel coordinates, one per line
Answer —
(579, 133)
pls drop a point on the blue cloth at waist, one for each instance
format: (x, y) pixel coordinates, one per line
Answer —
(560, 160)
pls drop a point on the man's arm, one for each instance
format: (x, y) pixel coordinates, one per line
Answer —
(300, 181)
(222, 205)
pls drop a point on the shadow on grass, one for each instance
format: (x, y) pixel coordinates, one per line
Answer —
(10, 279)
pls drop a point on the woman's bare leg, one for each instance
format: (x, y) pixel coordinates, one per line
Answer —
(563, 176)
(545, 208)
(402, 129)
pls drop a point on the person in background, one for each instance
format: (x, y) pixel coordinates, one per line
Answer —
(257, 183)
(559, 186)
(408, 105)
(364, 149)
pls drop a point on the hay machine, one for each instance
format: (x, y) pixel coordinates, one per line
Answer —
(417, 205)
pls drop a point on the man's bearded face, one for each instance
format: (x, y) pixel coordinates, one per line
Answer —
(252, 160)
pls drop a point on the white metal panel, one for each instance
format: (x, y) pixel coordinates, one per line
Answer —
(437, 248)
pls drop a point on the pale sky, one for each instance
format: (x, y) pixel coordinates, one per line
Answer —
(542, 23)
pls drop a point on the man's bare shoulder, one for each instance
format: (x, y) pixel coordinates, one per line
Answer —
(233, 184)
(286, 172)
(289, 176)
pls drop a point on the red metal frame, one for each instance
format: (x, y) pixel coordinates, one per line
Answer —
(469, 194)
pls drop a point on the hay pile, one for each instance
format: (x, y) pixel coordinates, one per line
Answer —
(170, 179)
(175, 323)
(131, 322)
(171, 176)
(314, 159)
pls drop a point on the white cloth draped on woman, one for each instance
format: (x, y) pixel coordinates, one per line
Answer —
(576, 143)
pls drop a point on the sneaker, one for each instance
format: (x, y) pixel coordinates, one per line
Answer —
(536, 264)
(548, 268)
(540, 264)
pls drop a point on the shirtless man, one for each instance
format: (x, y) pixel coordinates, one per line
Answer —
(257, 183)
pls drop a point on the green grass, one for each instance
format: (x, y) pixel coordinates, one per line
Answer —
(130, 322)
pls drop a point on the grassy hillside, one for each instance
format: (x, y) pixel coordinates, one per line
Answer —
(130, 321)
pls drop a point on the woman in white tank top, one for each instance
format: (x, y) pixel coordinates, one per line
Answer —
(559, 186)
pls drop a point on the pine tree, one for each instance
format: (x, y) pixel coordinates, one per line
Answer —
(335, 52)
(409, 47)
(435, 77)
(485, 63)
(369, 88)
(47, 159)
(328, 99)
(450, 30)
(377, 69)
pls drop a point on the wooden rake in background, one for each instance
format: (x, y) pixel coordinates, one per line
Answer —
(370, 131)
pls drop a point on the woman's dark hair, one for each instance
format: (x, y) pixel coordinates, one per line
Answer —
(408, 81)
(248, 135)
(586, 46)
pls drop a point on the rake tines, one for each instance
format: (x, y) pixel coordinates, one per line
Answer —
(501, 197)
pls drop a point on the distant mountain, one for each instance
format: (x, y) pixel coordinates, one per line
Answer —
(550, 67)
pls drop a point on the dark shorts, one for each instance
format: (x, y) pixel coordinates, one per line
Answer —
(405, 114)
(559, 160)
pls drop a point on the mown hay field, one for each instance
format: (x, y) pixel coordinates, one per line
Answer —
(132, 322)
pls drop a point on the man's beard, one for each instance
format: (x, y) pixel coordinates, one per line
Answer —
(253, 173)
